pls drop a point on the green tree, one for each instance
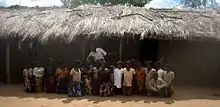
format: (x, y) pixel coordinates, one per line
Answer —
(73, 3)
(198, 3)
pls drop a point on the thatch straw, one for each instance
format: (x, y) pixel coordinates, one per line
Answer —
(110, 21)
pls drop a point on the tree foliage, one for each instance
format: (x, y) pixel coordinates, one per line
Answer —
(73, 3)
(198, 3)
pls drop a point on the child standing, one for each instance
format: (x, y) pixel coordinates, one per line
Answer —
(128, 75)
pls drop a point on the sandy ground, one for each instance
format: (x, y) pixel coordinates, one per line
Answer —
(13, 96)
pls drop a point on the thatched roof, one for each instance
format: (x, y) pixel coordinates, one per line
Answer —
(110, 21)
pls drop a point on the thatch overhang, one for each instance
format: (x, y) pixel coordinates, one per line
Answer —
(111, 21)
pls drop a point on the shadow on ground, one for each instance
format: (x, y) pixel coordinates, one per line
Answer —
(181, 93)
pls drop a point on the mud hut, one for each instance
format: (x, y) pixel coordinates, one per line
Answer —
(187, 39)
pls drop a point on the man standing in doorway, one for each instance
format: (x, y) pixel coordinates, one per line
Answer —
(97, 54)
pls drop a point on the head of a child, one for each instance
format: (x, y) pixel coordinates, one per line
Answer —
(77, 64)
(128, 64)
(155, 76)
(119, 64)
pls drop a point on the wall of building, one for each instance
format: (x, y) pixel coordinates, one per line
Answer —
(2, 61)
(194, 62)
(22, 56)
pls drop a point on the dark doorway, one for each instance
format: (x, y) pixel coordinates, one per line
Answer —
(149, 50)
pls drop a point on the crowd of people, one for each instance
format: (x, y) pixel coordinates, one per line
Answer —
(99, 78)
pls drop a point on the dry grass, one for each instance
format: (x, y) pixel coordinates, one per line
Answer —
(109, 21)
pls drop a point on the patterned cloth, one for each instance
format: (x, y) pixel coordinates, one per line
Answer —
(140, 79)
(38, 73)
(62, 80)
(87, 86)
(140, 86)
(39, 84)
(75, 90)
(27, 73)
(106, 89)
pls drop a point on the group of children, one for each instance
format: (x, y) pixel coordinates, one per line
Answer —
(98, 78)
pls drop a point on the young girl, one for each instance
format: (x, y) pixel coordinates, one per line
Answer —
(140, 78)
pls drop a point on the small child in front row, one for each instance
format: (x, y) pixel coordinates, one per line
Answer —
(168, 78)
(128, 76)
(157, 86)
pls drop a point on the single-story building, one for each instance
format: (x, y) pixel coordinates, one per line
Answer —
(187, 39)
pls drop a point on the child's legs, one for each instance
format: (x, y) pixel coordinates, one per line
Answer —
(129, 91)
(125, 90)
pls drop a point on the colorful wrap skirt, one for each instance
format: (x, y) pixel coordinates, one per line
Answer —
(140, 86)
(27, 84)
(75, 89)
(106, 89)
(39, 84)
(87, 86)
(50, 84)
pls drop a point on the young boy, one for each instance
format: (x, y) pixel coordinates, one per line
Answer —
(118, 78)
(157, 86)
(159, 70)
(128, 75)
(148, 74)
(168, 78)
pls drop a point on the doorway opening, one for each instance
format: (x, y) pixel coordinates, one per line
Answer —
(148, 50)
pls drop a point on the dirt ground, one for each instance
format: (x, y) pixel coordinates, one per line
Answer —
(13, 96)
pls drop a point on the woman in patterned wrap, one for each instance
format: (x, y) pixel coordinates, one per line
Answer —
(28, 75)
(38, 74)
(62, 74)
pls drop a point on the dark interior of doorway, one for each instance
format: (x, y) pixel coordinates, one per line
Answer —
(149, 50)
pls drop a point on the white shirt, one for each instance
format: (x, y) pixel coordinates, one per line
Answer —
(38, 72)
(27, 72)
(117, 77)
(161, 73)
(168, 77)
(76, 75)
(154, 85)
(149, 75)
(99, 54)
